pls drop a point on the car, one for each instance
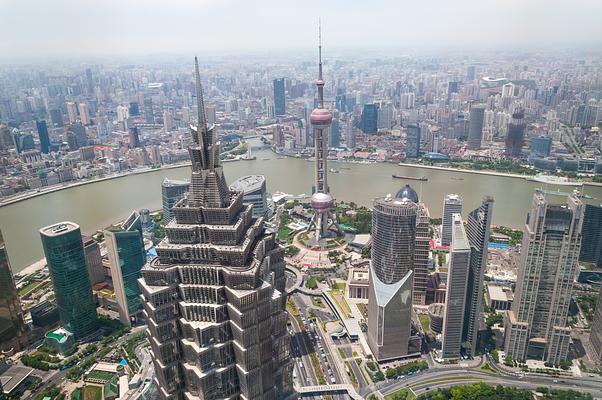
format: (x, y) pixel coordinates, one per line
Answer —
(332, 380)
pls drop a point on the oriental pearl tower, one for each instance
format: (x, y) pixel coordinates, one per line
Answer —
(321, 201)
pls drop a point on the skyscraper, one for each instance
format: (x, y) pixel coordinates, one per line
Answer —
(214, 296)
(66, 261)
(350, 137)
(334, 137)
(43, 135)
(84, 115)
(93, 260)
(80, 134)
(471, 73)
(56, 116)
(536, 326)
(279, 97)
(321, 201)
(475, 126)
(72, 112)
(452, 204)
(591, 244)
(125, 249)
(254, 192)
(455, 297)
(421, 254)
(477, 230)
(13, 331)
(133, 136)
(413, 141)
(515, 136)
(172, 191)
(370, 118)
(390, 295)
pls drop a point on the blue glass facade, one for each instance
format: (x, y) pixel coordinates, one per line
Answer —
(66, 260)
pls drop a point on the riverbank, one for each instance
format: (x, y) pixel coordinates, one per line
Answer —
(484, 172)
(55, 188)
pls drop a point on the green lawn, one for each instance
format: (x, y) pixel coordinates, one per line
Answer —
(401, 394)
(92, 393)
(28, 288)
(425, 322)
(342, 305)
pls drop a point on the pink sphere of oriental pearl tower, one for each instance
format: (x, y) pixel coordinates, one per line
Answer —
(323, 219)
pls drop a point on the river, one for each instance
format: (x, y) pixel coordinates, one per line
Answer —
(96, 205)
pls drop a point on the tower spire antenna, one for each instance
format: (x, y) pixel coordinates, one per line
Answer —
(202, 118)
(320, 82)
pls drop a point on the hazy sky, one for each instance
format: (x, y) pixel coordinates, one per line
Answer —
(60, 28)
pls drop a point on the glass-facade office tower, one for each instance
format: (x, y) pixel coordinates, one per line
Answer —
(515, 136)
(536, 326)
(13, 331)
(125, 249)
(591, 244)
(452, 204)
(279, 97)
(477, 230)
(370, 118)
(475, 126)
(66, 261)
(413, 141)
(44, 138)
(171, 192)
(214, 297)
(254, 192)
(455, 296)
(390, 297)
(541, 146)
(93, 260)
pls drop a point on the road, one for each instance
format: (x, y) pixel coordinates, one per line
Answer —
(440, 377)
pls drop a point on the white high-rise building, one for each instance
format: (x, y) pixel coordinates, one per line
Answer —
(72, 112)
(122, 113)
(407, 100)
(455, 298)
(536, 326)
(452, 204)
(84, 115)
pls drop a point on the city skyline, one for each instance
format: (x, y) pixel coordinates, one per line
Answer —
(116, 28)
(175, 282)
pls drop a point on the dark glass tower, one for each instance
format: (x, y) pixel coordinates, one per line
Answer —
(370, 118)
(477, 230)
(66, 260)
(13, 332)
(279, 97)
(43, 134)
(591, 245)
(475, 126)
(413, 141)
(125, 249)
(515, 136)
(214, 297)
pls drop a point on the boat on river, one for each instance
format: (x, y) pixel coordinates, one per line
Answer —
(414, 178)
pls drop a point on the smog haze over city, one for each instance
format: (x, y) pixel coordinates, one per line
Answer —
(284, 200)
(36, 30)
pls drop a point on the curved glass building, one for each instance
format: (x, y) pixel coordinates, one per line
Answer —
(66, 260)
